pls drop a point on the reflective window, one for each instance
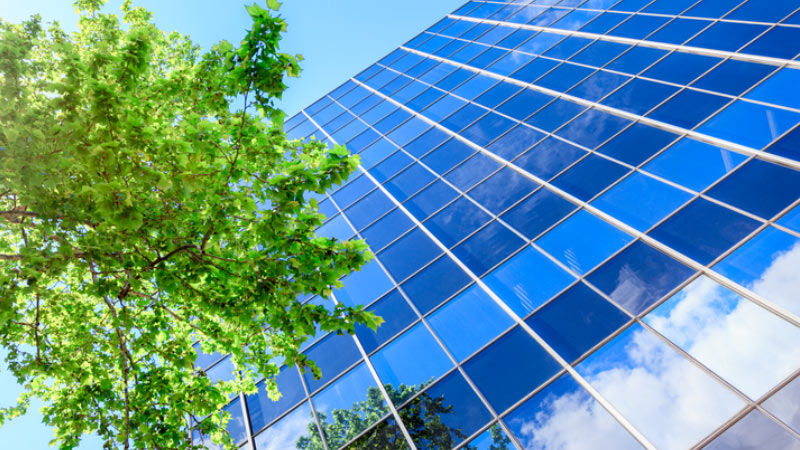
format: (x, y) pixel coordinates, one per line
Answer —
(785, 405)
(408, 254)
(604, 22)
(406, 132)
(791, 219)
(688, 108)
(443, 108)
(639, 276)
(534, 70)
(733, 77)
(222, 371)
(576, 321)
(680, 67)
(730, 335)
(385, 435)
(537, 213)
(727, 36)
(549, 158)
(641, 201)
(457, 221)
(492, 439)
(352, 191)
(475, 86)
(747, 190)
(636, 59)
(763, 10)
(468, 322)
(599, 53)
(409, 181)
(787, 146)
(410, 363)
(592, 128)
(396, 314)
(750, 124)
(639, 96)
(637, 144)
(425, 99)
(563, 77)
(430, 199)
(704, 230)
(599, 85)
(516, 141)
(332, 355)
(510, 63)
(778, 42)
(453, 406)
(435, 284)
(354, 396)
(767, 265)
(487, 129)
(426, 142)
(637, 27)
(376, 152)
(463, 117)
(502, 190)
(583, 241)
(678, 30)
(374, 205)
(779, 89)
(711, 8)
(510, 368)
(498, 94)
(694, 164)
(755, 430)
(590, 176)
(484, 249)
(674, 386)
(472, 171)
(563, 415)
(555, 114)
(387, 229)
(363, 286)
(263, 410)
(290, 431)
(336, 228)
(448, 155)
(524, 104)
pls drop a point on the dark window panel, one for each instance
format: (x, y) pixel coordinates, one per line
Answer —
(425, 99)
(263, 410)
(421, 68)
(688, 108)
(397, 315)
(563, 77)
(600, 53)
(387, 229)
(384, 435)
(502, 190)
(487, 129)
(712, 9)
(630, 5)
(537, 213)
(472, 171)
(488, 247)
(598, 85)
(604, 22)
(555, 114)
(549, 158)
(592, 128)
(787, 146)
(636, 59)
(408, 254)
(426, 142)
(534, 70)
(333, 355)
(670, 7)
(516, 141)
(680, 68)
(498, 94)
(448, 155)
(435, 284)
(408, 182)
(524, 104)
(637, 27)
(430, 199)
(456, 221)
(590, 176)
(727, 36)
(515, 38)
(488, 57)
(639, 96)
(779, 42)
(759, 187)
(568, 47)
(679, 31)
(733, 77)
(463, 117)
(763, 10)
(454, 79)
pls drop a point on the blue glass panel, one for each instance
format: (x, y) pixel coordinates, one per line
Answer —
(288, 431)
(454, 79)
(727, 36)
(430, 199)
(641, 201)
(456, 221)
(534, 70)
(639, 276)
(387, 229)
(590, 176)
(516, 38)
(406, 132)
(475, 86)
(346, 396)
(378, 112)
(673, 386)
(376, 152)
(437, 73)
(688, 108)
(236, 426)
(336, 228)
(488, 57)
(583, 241)
(443, 108)
(409, 182)
(750, 124)
(408, 254)
(755, 430)
(593, 127)
(679, 30)
(509, 63)
(524, 104)
(598, 85)
(694, 164)
(746, 188)
(204, 360)
(763, 10)
(492, 439)
(541, 42)
(636, 59)
(487, 129)
(680, 68)
(333, 355)
(414, 359)
(568, 47)
(263, 410)
(498, 94)
(425, 99)
(787, 146)
(639, 96)
(426, 142)
(365, 105)
(538, 212)
(704, 230)
(449, 49)
(502, 190)
(563, 77)
(764, 264)
(637, 27)
(733, 77)
(358, 143)
(435, 284)
(779, 42)
(791, 219)
(397, 315)
(468, 322)
(604, 22)
(637, 143)
(576, 321)
(463, 117)
(630, 5)
(555, 114)
(779, 89)
(510, 368)
(352, 191)
(600, 53)
(453, 406)
(421, 68)
(448, 155)
(713, 9)
(472, 171)
(491, 37)
(484, 249)
(563, 415)
(575, 19)
(364, 286)
(392, 120)
(390, 166)
(516, 141)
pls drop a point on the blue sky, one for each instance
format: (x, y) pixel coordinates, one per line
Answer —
(337, 38)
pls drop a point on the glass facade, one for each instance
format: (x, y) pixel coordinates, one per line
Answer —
(586, 222)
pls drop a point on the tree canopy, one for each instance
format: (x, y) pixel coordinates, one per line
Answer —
(142, 210)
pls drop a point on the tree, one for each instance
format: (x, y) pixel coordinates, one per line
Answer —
(422, 416)
(141, 212)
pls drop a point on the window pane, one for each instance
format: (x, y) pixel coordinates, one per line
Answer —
(484, 249)
(694, 164)
(785, 404)
(457, 221)
(397, 315)
(750, 124)
(755, 430)
(637, 144)
(289, 431)
(435, 284)
(590, 176)
(333, 355)
(408, 254)
(263, 410)
(364, 286)
(746, 188)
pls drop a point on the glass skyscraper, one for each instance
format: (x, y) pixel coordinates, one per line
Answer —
(587, 235)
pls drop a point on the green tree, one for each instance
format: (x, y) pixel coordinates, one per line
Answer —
(423, 417)
(140, 212)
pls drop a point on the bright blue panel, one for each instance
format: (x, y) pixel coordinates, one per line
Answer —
(336, 228)
(236, 426)
(534, 70)
(516, 141)
(390, 166)
(425, 99)
(704, 230)
(502, 190)
(750, 124)
(448, 155)
(598, 85)
(637, 27)
(779, 89)
(641, 201)
(636, 59)
(733, 77)
(590, 176)
(468, 322)
(694, 164)
(475, 86)
(408, 131)
(637, 143)
(412, 359)
(763, 10)
(426, 142)
(456, 221)
(575, 19)
(510, 63)
(487, 129)
(583, 241)
(443, 108)
(463, 117)
(713, 9)
(549, 158)
(263, 410)
(346, 395)
(524, 104)
(397, 315)
(510, 368)
(792, 219)
(364, 286)
(678, 30)
(333, 355)
(568, 47)
(435, 284)
(604, 22)
(538, 423)
(600, 53)
(408, 254)
(759, 187)
(484, 249)
(680, 67)
(639, 96)
(430, 199)
(471, 171)
(376, 152)
(516, 38)
(392, 120)
(387, 229)
(639, 276)
(352, 191)
(563, 77)
(498, 94)
(630, 5)
(592, 128)
(555, 114)
(409, 181)
(538, 212)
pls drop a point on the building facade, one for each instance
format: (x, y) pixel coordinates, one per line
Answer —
(587, 235)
